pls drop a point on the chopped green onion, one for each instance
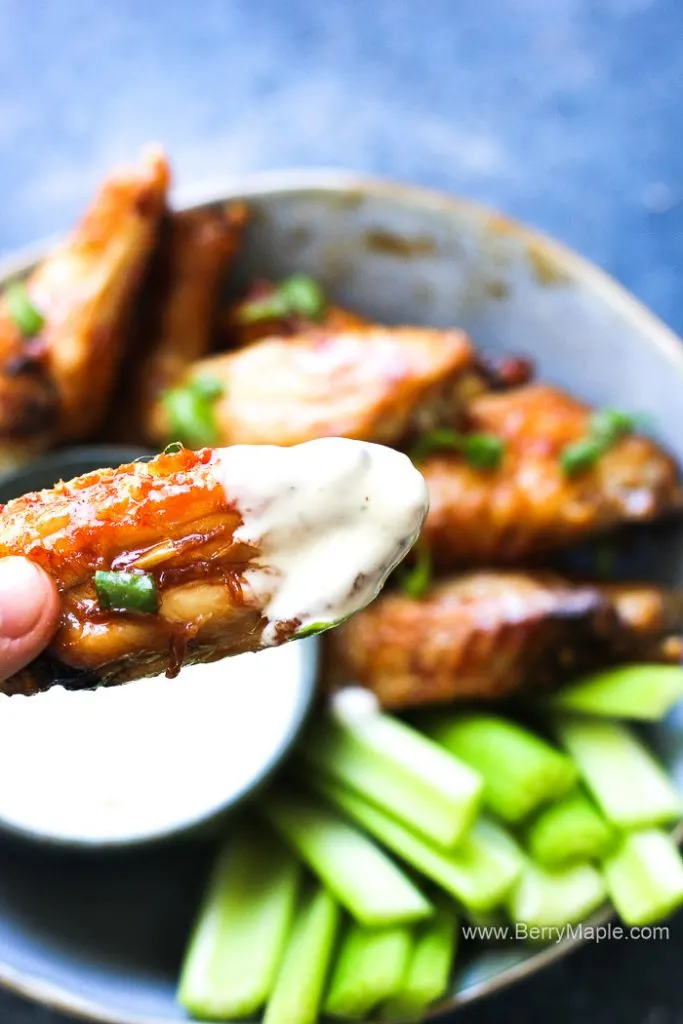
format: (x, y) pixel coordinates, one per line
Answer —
(644, 877)
(242, 929)
(609, 425)
(370, 967)
(628, 785)
(573, 829)
(191, 417)
(416, 580)
(483, 451)
(126, 591)
(303, 296)
(430, 965)
(581, 456)
(24, 314)
(521, 771)
(362, 876)
(552, 899)
(478, 872)
(313, 629)
(298, 295)
(605, 428)
(645, 692)
(172, 448)
(400, 770)
(298, 991)
(207, 387)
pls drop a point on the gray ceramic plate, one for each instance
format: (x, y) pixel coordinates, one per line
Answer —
(104, 938)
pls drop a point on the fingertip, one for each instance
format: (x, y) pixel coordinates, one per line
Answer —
(29, 612)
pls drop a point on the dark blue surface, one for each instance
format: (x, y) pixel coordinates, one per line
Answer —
(564, 113)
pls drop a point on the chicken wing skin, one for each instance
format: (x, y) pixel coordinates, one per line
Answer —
(199, 246)
(85, 291)
(491, 635)
(529, 505)
(242, 547)
(55, 387)
(372, 383)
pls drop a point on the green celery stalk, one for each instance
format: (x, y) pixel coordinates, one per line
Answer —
(361, 875)
(551, 899)
(644, 877)
(430, 966)
(521, 771)
(573, 829)
(645, 692)
(400, 770)
(242, 928)
(298, 991)
(370, 967)
(478, 872)
(628, 785)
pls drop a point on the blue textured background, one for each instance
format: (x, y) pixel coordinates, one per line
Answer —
(564, 113)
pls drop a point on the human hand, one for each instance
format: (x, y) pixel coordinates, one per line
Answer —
(29, 610)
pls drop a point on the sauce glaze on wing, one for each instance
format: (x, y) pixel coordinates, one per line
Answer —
(372, 383)
(491, 635)
(528, 505)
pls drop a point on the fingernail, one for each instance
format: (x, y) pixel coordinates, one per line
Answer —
(22, 597)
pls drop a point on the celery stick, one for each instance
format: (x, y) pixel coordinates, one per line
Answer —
(242, 928)
(430, 966)
(370, 967)
(297, 995)
(551, 899)
(520, 770)
(644, 877)
(401, 771)
(362, 877)
(478, 872)
(572, 829)
(645, 692)
(628, 785)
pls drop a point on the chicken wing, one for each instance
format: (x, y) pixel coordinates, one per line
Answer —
(529, 504)
(372, 383)
(197, 249)
(197, 555)
(490, 635)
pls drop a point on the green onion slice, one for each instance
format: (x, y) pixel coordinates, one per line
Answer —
(483, 451)
(298, 295)
(21, 309)
(415, 582)
(126, 592)
(191, 418)
(581, 456)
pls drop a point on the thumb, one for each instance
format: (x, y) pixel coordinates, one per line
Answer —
(29, 610)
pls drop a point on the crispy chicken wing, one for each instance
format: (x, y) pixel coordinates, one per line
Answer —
(197, 249)
(230, 550)
(55, 386)
(529, 505)
(372, 383)
(489, 635)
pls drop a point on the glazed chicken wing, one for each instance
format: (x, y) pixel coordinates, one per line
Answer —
(490, 635)
(196, 250)
(529, 504)
(54, 386)
(373, 383)
(197, 555)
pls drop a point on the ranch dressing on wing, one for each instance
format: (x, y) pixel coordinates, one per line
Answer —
(331, 519)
